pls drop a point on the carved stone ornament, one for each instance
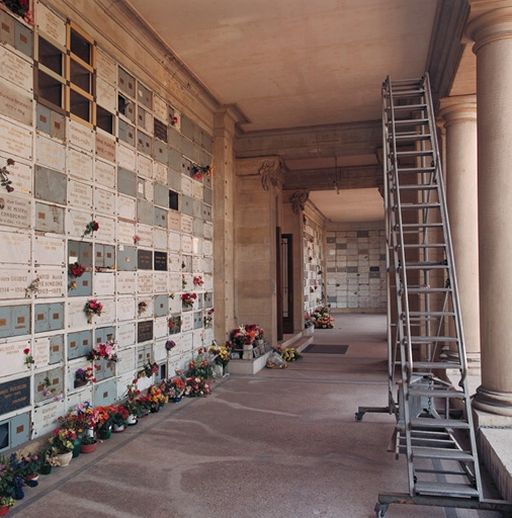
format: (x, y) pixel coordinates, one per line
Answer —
(298, 200)
(270, 172)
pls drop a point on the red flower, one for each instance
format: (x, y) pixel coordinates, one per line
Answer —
(95, 225)
(26, 350)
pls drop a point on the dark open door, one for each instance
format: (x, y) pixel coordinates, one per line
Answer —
(279, 291)
(287, 281)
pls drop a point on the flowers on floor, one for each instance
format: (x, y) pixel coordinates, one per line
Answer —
(197, 386)
(200, 366)
(92, 307)
(221, 354)
(322, 318)
(275, 361)
(308, 320)
(290, 354)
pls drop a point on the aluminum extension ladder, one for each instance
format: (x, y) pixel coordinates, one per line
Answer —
(434, 427)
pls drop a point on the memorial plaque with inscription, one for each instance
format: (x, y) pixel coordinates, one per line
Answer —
(126, 282)
(127, 208)
(15, 69)
(80, 136)
(126, 308)
(125, 231)
(160, 238)
(107, 230)
(126, 335)
(174, 263)
(197, 190)
(173, 220)
(14, 395)
(21, 175)
(126, 157)
(160, 108)
(186, 224)
(160, 173)
(79, 195)
(145, 233)
(174, 241)
(207, 247)
(144, 166)
(105, 174)
(175, 282)
(15, 140)
(106, 95)
(161, 261)
(144, 331)
(50, 153)
(108, 314)
(103, 283)
(48, 250)
(144, 259)
(79, 164)
(16, 103)
(76, 318)
(51, 282)
(41, 352)
(106, 67)
(106, 146)
(126, 362)
(144, 282)
(49, 24)
(13, 283)
(186, 185)
(104, 201)
(46, 418)
(14, 248)
(208, 230)
(160, 282)
(76, 221)
(186, 244)
(12, 358)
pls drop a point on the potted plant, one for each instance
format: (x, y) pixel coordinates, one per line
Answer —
(156, 398)
(119, 417)
(200, 365)
(176, 388)
(6, 502)
(88, 444)
(63, 443)
(132, 404)
(104, 427)
(197, 387)
(221, 356)
(30, 467)
(47, 461)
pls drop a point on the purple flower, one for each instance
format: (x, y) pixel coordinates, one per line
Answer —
(170, 344)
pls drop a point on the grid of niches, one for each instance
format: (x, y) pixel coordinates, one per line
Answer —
(356, 269)
(313, 260)
(155, 232)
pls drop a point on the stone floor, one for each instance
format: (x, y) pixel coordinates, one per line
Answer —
(282, 443)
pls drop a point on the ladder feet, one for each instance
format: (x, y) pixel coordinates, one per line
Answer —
(381, 510)
(359, 415)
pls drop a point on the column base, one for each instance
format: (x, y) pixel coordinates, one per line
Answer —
(499, 403)
(473, 359)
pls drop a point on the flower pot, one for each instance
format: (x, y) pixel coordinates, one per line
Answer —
(89, 432)
(64, 458)
(118, 428)
(155, 409)
(45, 469)
(176, 399)
(32, 480)
(4, 509)
(76, 447)
(88, 448)
(104, 434)
(19, 494)
(132, 420)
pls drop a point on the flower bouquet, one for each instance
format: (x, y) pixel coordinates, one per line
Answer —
(156, 398)
(28, 360)
(175, 388)
(290, 354)
(221, 354)
(63, 442)
(199, 172)
(104, 424)
(103, 351)
(200, 366)
(91, 227)
(76, 270)
(188, 299)
(197, 387)
(84, 376)
(174, 324)
(198, 281)
(92, 307)
(322, 318)
(120, 417)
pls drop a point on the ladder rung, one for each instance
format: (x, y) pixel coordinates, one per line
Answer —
(427, 339)
(448, 394)
(424, 152)
(431, 314)
(424, 245)
(436, 365)
(420, 205)
(445, 488)
(415, 107)
(425, 266)
(412, 136)
(416, 169)
(427, 422)
(428, 442)
(421, 225)
(419, 187)
(442, 471)
(423, 452)
(409, 122)
(407, 93)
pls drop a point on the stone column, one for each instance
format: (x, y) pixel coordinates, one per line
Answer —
(491, 31)
(461, 177)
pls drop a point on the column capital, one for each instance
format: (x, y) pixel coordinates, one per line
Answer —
(490, 21)
(457, 108)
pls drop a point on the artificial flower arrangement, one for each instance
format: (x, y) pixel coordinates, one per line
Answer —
(289, 354)
(91, 227)
(76, 270)
(22, 9)
(119, 415)
(4, 176)
(28, 359)
(141, 308)
(92, 307)
(156, 398)
(208, 318)
(221, 354)
(174, 324)
(84, 376)
(197, 386)
(81, 419)
(188, 299)
(103, 351)
(198, 281)
(148, 369)
(199, 172)
(322, 318)
(62, 440)
(175, 387)
(200, 366)
(170, 345)
(308, 321)
(246, 334)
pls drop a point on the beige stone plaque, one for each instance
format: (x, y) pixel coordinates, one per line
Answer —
(174, 262)
(52, 282)
(49, 24)
(144, 282)
(125, 231)
(80, 136)
(174, 282)
(144, 166)
(50, 153)
(125, 364)
(186, 224)
(13, 282)
(49, 251)
(104, 201)
(174, 241)
(79, 195)
(104, 283)
(197, 264)
(186, 244)
(125, 335)
(75, 316)
(21, 175)
(186, 185)
(41, 352)
(208, 230)
(45, 418)
(126, 157)
(187, 321)
(160, 108)
(197, 245)
(160, 173)
(107, 231)
(207, 247)
(160, 238)
(160, 282)
(160, 329)
(208, 281)
(198, 340)
(15, 140)
(126, 308)
(126, 207)
(105, 146)
(188, 284)
(175, 303)
(14, 248)
(148, 313)
(197, 189)
(145, 233)
(208, 265)
(105, 174)
(76, 221)
(15, 211)
(106, 95)
(173, 220)
(79, 164)
(16, 69)
(126, 282)
(106, 67)
(16, 103)
(108, 315)
(12, 358)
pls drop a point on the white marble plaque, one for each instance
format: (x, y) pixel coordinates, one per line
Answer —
(186, 244)
(149, 310)
(174, 241)
(106, 96)
(174, 261)
(186, 185)
(145, 233)
(80, 395)
(173, 220)
(41, 352)
(16, 103)
(21, 175)
(79, 164)
(108, 315)
(125, 364)
(187, 321)
(126, 308)
(126, 207)
(197, 246)
(126, 157)
(160, 282)
(13, 282)
(160, 329)
(106, 67)
(198, 338)
(197, 263)
(186, 341)
(76, 318)
(79, 195)
(105, 145)
(175, 282)
(76, 221)
(160, 109)
(144, 282)
(104, 201)
(126, 282)
(207, 247)
(107, 230)
(14, 248)
(208, 230)
(49, 251)
(125, 231)
(12, 357)
(208, 282)
(50, 153)
(144, 166)
(52, 282)
(15, 140)
(187, 282)
(103, 283)
(105, 174)
(51, 25)
(45, 418)
(197, 190)
(125, 335)
(175, 303)
(208, 336)
(160, 238)
(186, 224)
(80, 135)
(160, 172)
(16, 69)
(159, 352)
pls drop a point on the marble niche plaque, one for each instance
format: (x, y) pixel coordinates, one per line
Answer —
(13, 282)
(174, 262)
(126, 157)
(207, 247)
(76, 318)
(12, 358)
(79, 164)
(76, 221)
(108, 315)
(174, 282)
(174, 241)
(107, 230)
(15, 140)
(144, 166)
(126, 308)
(161, 329)
(160, 173)
(21, 175)
(104, 283)
(106, 95)
(126, 282)
(41, 352)
(52, 282)
(16, 69)
(106, 67)
(125, 336)
(104, 201)
(186, 244)
(186, 185)
(125, 231)
(144, 331)
(16, 103)
(49, 251)
(197, 246)
(186, 224)
(144, 282)
(51, 25)
(14, 248)
(14, 395)
(126, 207)
(197, 190)
(105, 146)
(160, 282)
(173, 220)
(45, 418)
(79, 195)
(208, 230)
(145, 233)
(126, 363)
(160, 238)
(160, 108)
(196, 264)
(80, 136)
(50, 153)
(105, 174)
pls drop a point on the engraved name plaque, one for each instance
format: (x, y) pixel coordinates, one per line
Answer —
(127, 207)
(173, 220)
(144, 282)
(79, 164)
(145, 233)
(80, 136)
(125, 308)
(126, 157)
(104, 201)
(144, 259)
(49, 251)
(12, 358)
(105, 174)
(144, 166)
(50, 153)
(51, 282)
(174, 241)
(106, 146)
(161, 261)
(14, 248)
(76, 221)
(15, 140)
(126, 282)
(15, 103)
(107, 230)
(15, 69)
(186, 224)
(14, 395)
(144, 331)
(51, 25)
(126, 335)
(46, 418)
(79, 195)
(106, 95)
(21, 176)
(103, 283)
(160, 238)
(125, 231)
(13, 283)
(160, 172)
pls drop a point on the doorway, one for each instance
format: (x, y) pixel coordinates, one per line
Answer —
(286, 282)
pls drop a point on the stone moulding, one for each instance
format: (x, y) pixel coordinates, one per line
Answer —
(270, 173)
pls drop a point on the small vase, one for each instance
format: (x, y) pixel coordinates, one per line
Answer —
(76, 448)
(4, 509)
(88, 448)
(89, 432)
(132, 420)
(19, 494)
(64, 458)
(176, 399)
(104, 434)
(45, 469)
(118, 428)
(32, 480)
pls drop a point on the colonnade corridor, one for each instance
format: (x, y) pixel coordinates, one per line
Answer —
(281, 443)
